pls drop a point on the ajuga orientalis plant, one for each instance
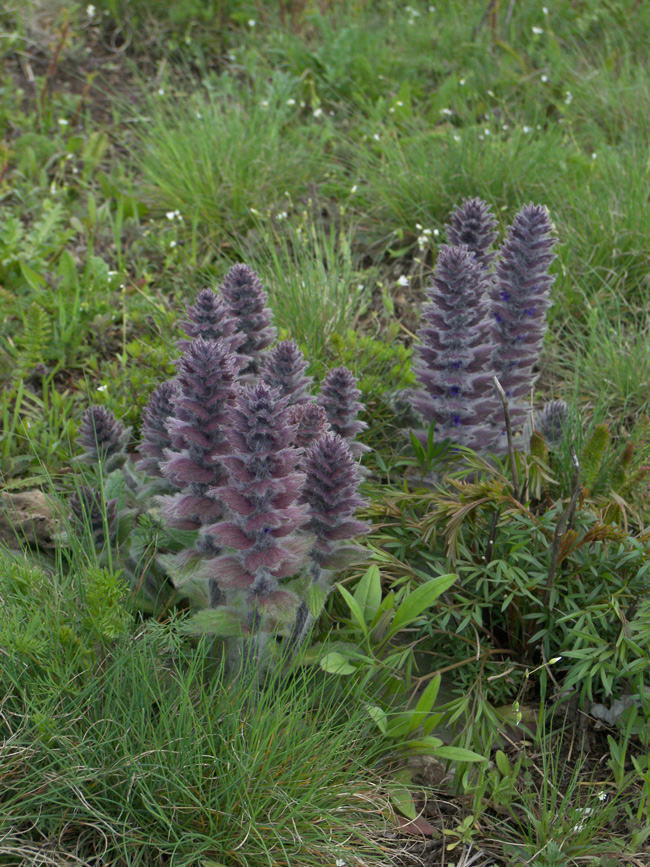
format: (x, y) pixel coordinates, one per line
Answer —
(485, 316)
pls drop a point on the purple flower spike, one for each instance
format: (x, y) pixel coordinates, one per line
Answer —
(103, 438)
(212, 319)
(331, 493)
(262, 497)
(155, 437)
(311, 423)
(206, 381)
(284, 368)
(244, 294)
(453, 362)
(339, 397)
(473, 225)
(520, 299)
(552, 420)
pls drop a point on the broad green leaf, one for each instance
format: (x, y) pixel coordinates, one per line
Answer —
(378, 716)
(214, 621)
(419, 600)
(458, 754)
(502, 763)
(315, 598)
(425, 703)
(427, 745)
(432, 721)
(368, 593)
(35, 280)
(335, 663)
(399, 725)
(355, 609)
(401, 799)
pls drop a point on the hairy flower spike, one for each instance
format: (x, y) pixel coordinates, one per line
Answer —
(453, 361)
(262, 497)
(103, 438)
(339, 397)
(88, 513)
(332, 479)
(243, 292)
(474, 225)
(310, 421)
(212, 319)
(552, 420)
(520, 299)
(155, 437)
(284, 368)
(206, 381)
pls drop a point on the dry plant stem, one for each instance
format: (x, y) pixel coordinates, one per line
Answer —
(566, 516)
(511, 447)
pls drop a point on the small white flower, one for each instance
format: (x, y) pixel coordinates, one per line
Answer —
(527, 129)
(391, 110)
(318, 112)
(446, 111)
(432, 8)
(594, 156)
(340, 862)
(161, 91)
(436, 232)
(102, 388)
(90, 11)
(252, 22)
(544, 10)
(354, 188)
(403, 280)
(456, 138)
(291, 102)
(377, 137)
(265, 103)
(537, 31)
(544, 78)
(63, 121)
(487, 131)
(399, 102)
(172, 244)
(462, 82)
(602, 796)
(504, 126)
(171, 215)
(568, 97)
(199, 116)
(282, 215)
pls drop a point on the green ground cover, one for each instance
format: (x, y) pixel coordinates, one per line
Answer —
(144, 149)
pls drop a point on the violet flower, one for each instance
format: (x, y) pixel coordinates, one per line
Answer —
(473, 225)
(339, 397)
(261, 494)
(103, 438)
(212, 319)
(520, 298)
(284, 368)
(454, 359)
(244, 294)
(155, 436)
(310, 422)
(206, 382)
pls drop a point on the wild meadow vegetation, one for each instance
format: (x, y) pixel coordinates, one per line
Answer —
(286, 577)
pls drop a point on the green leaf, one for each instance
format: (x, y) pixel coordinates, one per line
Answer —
(502, 763)
(355, 610)
(427, 746)
(458, 754)
(419, 600)
(336, 663)
(214, 621)
(368, 593)
(378, 716)
(401, 799)
(425, 703)
(34, 280)
(315, 598)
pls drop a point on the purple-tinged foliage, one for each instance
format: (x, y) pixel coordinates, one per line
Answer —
(310, 421)
(155, 436)
(453, 362)
(474, 226)
(339, 397)
(520, 299)
(551, 421)
(284, 368)
(88, 513)
(212, 319)
(330, 491)
(103, 438)
(206, 380)
(261, 494)
(244, 294)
